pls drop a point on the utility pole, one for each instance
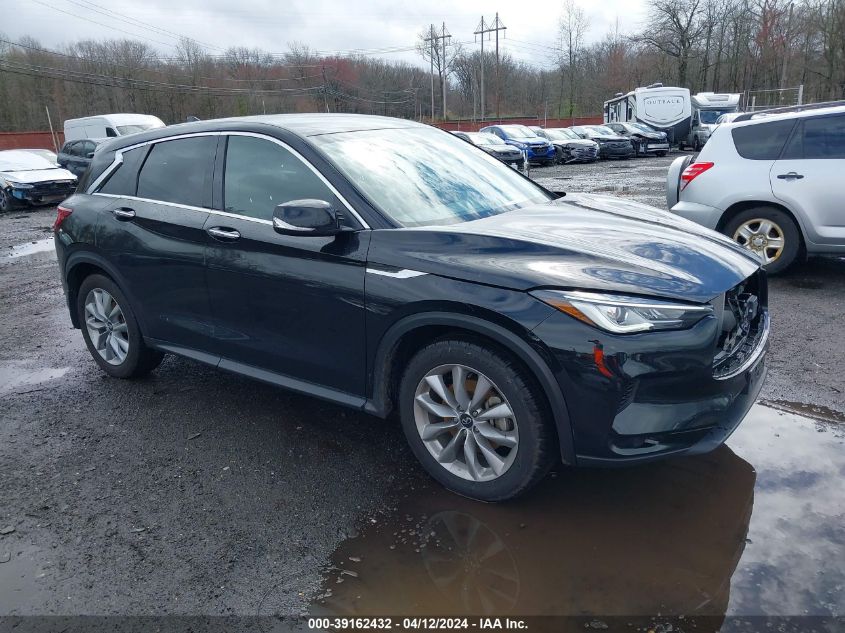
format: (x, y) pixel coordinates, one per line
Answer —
(497, 26)
(435, 39)
(325, 90)
(482, 30)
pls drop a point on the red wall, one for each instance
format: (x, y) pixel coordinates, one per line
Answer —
(29, 140)
(43, 140)
(474, 126)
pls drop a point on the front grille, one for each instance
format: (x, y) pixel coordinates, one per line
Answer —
(744, 327)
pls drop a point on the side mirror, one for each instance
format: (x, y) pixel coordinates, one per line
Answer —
(316, 218)
(89, 155)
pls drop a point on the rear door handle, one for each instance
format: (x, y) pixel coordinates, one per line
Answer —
(124, 213)
(790, 176)
(223, 234)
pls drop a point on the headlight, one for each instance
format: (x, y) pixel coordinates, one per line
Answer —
(18, 185)
(623, 315)
(519, 145)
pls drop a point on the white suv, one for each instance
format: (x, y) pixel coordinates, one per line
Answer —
(775, 184)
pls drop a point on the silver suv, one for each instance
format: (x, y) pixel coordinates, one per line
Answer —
(774, 184)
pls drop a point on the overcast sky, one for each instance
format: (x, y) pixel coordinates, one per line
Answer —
(325, 25)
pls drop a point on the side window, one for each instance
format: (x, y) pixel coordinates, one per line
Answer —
(824, 137)
(124, 180)
(86, 147)
(261, 175)
(111, 132)
(175, 171)
(762, 141)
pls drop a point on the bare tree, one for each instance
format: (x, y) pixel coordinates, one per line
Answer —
(675, 28)
(572, 29)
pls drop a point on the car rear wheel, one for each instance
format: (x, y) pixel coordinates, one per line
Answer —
(6, 201)
(475, 420)
(111, 331)
(770, 233)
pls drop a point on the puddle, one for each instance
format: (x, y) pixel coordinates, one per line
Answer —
(15, 376)
(30, 248)
(755, 527)
(815, 411)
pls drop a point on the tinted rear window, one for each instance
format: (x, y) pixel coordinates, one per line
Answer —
(124, 181)
(175, 171)
(763, 141)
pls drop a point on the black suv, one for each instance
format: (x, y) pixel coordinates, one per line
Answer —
(387, 265)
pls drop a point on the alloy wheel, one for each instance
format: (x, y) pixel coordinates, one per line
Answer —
(762, 236)
(106, 326)
(466, 423)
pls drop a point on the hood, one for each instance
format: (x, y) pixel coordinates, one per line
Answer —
(609, 137)
(581, 142)
(528, 140)
(500, 149)
(581, 241)
(32, 176)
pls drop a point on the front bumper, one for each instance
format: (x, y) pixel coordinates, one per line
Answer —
(581, 154)
(544, 156)
(42, 193)
(652, 146)
(607, 150)
(637, 398)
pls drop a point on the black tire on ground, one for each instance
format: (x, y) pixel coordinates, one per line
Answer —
(661, 154)
(7, 203)
(536, 450)
(140, 360)
(791, 234)
(696, 144)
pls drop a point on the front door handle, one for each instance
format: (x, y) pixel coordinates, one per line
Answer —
(124, 213)
(223, 234)
(790, 176)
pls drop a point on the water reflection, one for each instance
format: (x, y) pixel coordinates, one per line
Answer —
(663, 538)
(675, 538)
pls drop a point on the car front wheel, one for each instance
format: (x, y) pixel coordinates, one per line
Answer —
(770, 233)
(111, 331)
(476, 420)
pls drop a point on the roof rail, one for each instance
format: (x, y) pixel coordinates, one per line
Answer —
(747, 116)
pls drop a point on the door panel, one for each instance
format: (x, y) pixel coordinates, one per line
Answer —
(161, 254)
(290, 305)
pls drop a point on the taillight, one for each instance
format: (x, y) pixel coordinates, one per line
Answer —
(61, 215)
(693, 171)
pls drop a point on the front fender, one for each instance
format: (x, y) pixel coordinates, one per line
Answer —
(379, 403)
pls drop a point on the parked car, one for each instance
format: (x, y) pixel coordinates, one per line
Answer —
(109, 125)
(538, 149)
(76, 155)
(646, 140)
(44, 153)
(27, 178)
(571, 148)
(769, 183)
(509, 326)
(494, 146)
(611, 145)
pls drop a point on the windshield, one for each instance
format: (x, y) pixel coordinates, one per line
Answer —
(709, 116)
(134, 129)
(422, 177)
(517, 131)
(483, 138)
(604, 131)
(565, 134)
(558, 135)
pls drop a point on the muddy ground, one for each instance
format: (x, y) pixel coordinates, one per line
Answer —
(197, 492)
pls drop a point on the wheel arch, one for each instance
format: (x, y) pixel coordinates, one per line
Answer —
(411, 333)
(81, 265)
(738, 207)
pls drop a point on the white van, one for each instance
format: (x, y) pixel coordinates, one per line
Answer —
(707, 107)
(108, 125)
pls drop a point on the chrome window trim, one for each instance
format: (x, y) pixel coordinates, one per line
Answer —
(224, 214)
(118, 159)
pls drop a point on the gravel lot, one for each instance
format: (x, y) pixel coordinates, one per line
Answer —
(199, 492)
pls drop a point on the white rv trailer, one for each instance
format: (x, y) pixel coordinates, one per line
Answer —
(706, 108)
(664, 108)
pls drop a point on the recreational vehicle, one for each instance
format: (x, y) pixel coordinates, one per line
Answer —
(664, 108)
(706, 108)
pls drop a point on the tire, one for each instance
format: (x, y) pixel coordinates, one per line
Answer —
(696, 145)
(7, 203)
(661, 154)
(520, 465)
(128, 357)
(783, 225)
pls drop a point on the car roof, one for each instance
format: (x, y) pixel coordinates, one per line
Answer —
(774, 115)
(303, 125)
